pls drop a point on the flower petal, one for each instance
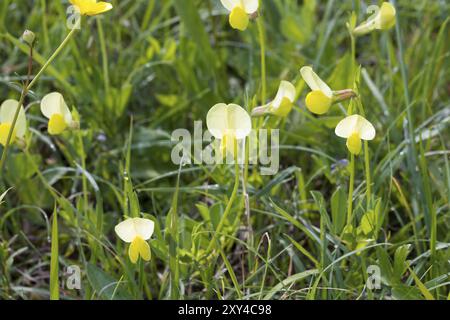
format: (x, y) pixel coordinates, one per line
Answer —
(383, 20)
(230, 4)
(314, 82)
(126, 230)
(354, 143)
(98, 8)
(91, 7)
(56, 124)
(238, 19)
(286, 90)
(317, 102)
(346, 127)
(133, 251)
(53, 103)
(250, 6)
(139, 247)
(386, 16)
(216, 120)
(228, 120)
(144, 250)
(5, 128)
(7, 112)
(355, 123)
(365, 129)
(129, 229)
(144, 227)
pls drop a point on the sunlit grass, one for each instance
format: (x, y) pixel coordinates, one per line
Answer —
(315, 230)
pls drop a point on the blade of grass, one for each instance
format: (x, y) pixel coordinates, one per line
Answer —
(54, 269)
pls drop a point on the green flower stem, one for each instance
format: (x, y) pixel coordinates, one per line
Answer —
(350, 112)
(366, 162)
(52, 57)
(353, 48)
(230, 202)
(101, 36)
(262, 44)
(82, 154)
(350, 189)
(25, 91)
(368, 177)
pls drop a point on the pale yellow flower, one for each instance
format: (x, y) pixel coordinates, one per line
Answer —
(355, 128)
(321, 98)
(383, 20)
(240, 11)
(54, 108)
(282, 104)
(136, 231)
(228, 123)
(8, 110)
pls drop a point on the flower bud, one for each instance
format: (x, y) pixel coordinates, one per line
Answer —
(342, 95)
(29, 37)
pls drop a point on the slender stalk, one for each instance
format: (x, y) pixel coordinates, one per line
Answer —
(262, 44)
(25, 91)
(101, 36)
(83, 176)
(350, 112)
(366, 161)
(350, 189)
(230, 202)
(368, 176)
(353, 55)
(52, 57)
(44, 24)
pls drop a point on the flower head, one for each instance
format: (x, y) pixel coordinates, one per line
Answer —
(354, 128)
(29, 37)
(282, 104)
(8, 110)
(383, 20)
(321, 98)
(228, 123)
(54, 108)
(136, 231)
(239, 11)
(91, 7)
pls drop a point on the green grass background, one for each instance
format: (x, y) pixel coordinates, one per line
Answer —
(148, 67)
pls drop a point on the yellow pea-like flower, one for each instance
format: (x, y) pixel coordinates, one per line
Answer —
(384, 19)
(321, 97)
(228, 123)
(355, 128)
(240, 11)
(91, 7)
(7, 112)
(136, 232)
(54, 108)
(282, 104)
